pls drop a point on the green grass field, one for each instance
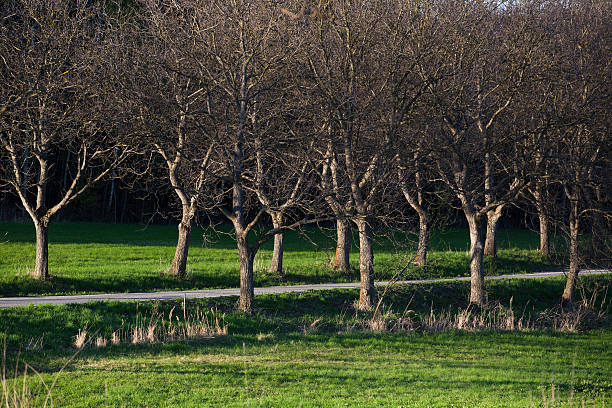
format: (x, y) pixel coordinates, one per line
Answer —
(308, 349)
(312, 350)
(95, 258)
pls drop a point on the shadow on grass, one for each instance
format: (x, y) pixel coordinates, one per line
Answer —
(199, 279)
(26, 286)
(307, 316)
(136, 266)
(442, 265)
(234, 374)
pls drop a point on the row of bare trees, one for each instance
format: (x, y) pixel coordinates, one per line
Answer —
(290, 113)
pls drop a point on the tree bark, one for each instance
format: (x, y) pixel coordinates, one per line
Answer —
(343, 245)
(477, 295)
(367, 292)
(276, 266)
(544, 240)
(417, 205)
(179, 263)
(41, 267)
(574, 266)
(421, 253)
(246, 257)
(538, 193)
(493, 216)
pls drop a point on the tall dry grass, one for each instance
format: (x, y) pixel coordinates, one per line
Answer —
(592, 310)
(161, 328)
(17, 389)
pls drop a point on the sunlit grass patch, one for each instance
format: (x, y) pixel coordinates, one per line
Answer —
(95, 258)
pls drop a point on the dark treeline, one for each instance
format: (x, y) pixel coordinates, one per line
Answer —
(272, 115)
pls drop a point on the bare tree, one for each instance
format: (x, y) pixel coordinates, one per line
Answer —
(352, 65)
(408, 116)
(281, 182)
(412, 180)
(470, 85)
(533, 115)
(54, 99)
(169, 98)
(246, 51)
(340, 203)
(499, 84)
(581, 105)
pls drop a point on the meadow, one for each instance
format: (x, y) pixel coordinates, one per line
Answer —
(98, 258)
(423, 345)
(314, 350)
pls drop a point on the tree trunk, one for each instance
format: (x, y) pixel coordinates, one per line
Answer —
(179, 264)
(538, 194)
(477, 295)
(41, 268)
(490, 248)
(366, 266)
(246, 257)
(416, 202)
(598, 228)
(421, 253)
(276, 266)
(574, 266)
(343, 245)
(544, 240)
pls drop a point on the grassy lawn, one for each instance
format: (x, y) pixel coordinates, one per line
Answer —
(312, 350)
(90, 258)
(354, 370)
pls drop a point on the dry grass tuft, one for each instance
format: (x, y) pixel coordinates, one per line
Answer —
(115, 337)
(101, 342)
(590, 312)
(15, 393)
(377, 324)
(81, 338)
(24, 269)
(160, 328)
(490, 317)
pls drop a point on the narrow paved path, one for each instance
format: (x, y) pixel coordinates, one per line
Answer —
(211, 293)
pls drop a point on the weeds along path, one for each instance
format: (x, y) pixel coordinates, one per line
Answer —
(212, 293)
